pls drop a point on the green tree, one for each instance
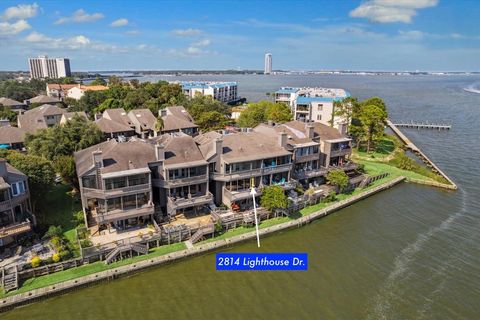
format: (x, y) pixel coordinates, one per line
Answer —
(277, 112)
(159, 124)
(114, 81)
(89, 101)
(7, 113)
(110, 103)
(273, 197)
(53, 142)
(212, 120)
(345, 109)
(372, 118)
(201, 104)
(376, 101)
(252, 116)
(40, 173)
(338, 178)
(65, 167)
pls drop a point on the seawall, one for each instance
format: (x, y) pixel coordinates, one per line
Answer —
(8, 303)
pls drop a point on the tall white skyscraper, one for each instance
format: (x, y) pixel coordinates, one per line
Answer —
(43, 67)
(268, 63)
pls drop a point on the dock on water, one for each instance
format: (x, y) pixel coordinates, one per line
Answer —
(423, 125)
(410, 145)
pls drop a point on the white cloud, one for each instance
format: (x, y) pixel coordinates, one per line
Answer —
(9, 29)
(42, 41)
(132, 32)
(388, 11)
(119, 23)
(80, 16)
(186, 32)
(22, 11)
(201, 43)
(411, 35)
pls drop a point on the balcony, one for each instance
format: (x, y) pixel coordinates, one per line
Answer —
(182, 203)
(113, 193)
(232, 196)
(103, 217)
(345, 167)
(309, 157)
(312, 173)
(180, 182)
(252, 173)
(339, 153)
(15, 229)
(5, 205)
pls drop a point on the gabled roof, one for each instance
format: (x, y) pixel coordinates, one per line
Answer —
(177, 118)
(69, 115)
(44, 99)
(181, 150)
(117, 156)
(12, 175)
(206, 143)
(297, 131)
(10, 102)
(90, 88)
(10, 135)
(144, 117)
(118, 115)
(110, 126)
(33, 119)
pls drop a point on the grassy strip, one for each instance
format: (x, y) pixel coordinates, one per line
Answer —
(70, 274)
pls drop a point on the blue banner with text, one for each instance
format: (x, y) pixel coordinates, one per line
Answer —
(262, 261)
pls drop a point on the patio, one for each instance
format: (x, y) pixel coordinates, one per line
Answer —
(112, 235)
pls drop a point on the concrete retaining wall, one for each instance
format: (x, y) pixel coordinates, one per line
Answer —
(41, 293)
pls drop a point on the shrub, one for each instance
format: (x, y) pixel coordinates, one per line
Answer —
(56, 257)
(65, 255)
(331, 197)
(36, 262)
(218, 227)
(53, 231)
(338, 178)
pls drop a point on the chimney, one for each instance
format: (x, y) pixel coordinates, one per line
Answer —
(270, 123)
(282, 139)
(310, 131)
(97, 158)
(160, 152)
(3, 167)
(218, 147)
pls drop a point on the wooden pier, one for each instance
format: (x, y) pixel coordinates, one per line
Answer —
(423, 125)
(410, 145)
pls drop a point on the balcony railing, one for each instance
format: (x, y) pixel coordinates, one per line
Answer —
(239, 194)
(181, 203)
(312, 173)
(338, 153)
(113, 193)
(345, 167)
(15, 229)
(5, 205)
(104, 217)
(179, 181)
(308, 157)
(252, 173)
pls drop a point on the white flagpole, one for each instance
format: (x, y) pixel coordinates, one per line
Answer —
(253, 193)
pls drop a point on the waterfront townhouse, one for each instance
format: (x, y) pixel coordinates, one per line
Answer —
(144, 121)
(314, 104)
(238, 161)
(182, 177)
(115, 184)
(177, 119)
(222, 91)
(12, 137)
(40, 118)
(16, 218)
(13, 105)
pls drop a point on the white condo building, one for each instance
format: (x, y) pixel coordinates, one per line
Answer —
(43, 67)
(313, 104)
(268, 63)
(221, 91)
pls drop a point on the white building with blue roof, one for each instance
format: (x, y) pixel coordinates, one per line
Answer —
(313, 104)
(222, 91)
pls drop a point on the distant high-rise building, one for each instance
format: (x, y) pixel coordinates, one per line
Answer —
(43, 67)
(268, 63)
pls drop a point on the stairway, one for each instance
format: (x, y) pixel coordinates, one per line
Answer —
(10, 280)
(197, 236)
(137, 247)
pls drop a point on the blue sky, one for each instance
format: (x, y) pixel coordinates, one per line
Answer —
(301, 35)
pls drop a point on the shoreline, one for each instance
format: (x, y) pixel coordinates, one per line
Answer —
(31, 296)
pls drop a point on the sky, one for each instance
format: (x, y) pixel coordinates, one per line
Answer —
(388, 35)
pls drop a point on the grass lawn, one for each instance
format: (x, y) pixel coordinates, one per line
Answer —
(59, 209)
(385, 146)
(70, 274)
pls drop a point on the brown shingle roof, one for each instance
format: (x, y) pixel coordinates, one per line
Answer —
(10, 102)
(10, 135)
(177, 118)
(109, 126)
(144, 117)
(33, 119)
(118, 115)
(44, 99)
(181, 149)
(67, 116)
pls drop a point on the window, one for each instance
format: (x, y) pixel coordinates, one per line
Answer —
(319, 117)
(320, 107)
(17, 188)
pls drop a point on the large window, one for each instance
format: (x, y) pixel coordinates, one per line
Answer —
(17, 188)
